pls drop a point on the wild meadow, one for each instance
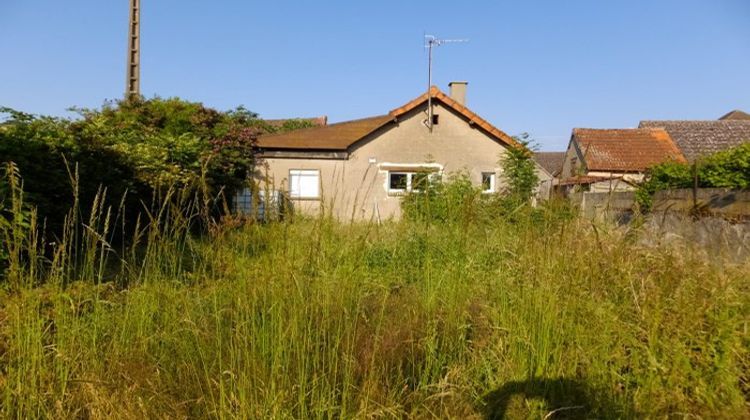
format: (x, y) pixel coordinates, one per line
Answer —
(533, 313)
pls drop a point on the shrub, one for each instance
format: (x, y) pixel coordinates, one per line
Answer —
(726, 169)
(444, 200)
(519, 172)
(134, 149)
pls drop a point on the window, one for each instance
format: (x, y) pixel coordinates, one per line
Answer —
(243, 201)
(407, 181)
(304, 183)
(488, 182)
(398, 181)
(435, 119)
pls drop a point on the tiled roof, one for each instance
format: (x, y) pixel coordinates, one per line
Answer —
(625, 150)
(330, 137)
(466, 112)
(342, 135)
(735, 115)
(700, 138)
(552, 162)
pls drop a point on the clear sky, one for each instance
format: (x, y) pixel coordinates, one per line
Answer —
(541, 67)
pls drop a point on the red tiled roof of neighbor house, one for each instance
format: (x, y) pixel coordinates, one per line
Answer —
(735, 115)
(625, 150)
(552, 162)
(341, 136)
(700, 138)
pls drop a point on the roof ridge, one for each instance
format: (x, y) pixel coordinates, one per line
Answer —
(436, 93)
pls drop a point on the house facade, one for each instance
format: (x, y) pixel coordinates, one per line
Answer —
(615, 159)
(359, 170)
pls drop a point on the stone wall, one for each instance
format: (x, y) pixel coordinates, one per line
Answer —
(708, 201)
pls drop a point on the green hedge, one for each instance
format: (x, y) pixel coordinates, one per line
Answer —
(726, 169)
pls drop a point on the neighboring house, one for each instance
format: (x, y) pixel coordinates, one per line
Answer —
(697, 139)
(594, 184)
(359, 169)
(551, 163)
(735, 115)
(616, 157)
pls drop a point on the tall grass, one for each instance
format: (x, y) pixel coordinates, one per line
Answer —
(475, 317)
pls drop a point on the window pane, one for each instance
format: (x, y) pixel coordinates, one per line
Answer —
(243, 201)
(304, 183)
(309, 186)
(397, 181)
(419, 181)
(488, 181)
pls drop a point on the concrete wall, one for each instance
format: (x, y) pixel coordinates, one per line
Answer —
(620, 205)
(356, 188)
(610, 206)
(714, 201)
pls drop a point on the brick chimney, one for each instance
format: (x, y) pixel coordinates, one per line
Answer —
(458, 92)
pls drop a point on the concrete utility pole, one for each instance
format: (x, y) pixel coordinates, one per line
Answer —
(133, 77)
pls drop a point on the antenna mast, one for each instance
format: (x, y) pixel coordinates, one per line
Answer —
(433, 41)
(133, 70)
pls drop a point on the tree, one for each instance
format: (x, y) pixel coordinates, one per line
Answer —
(519, 171)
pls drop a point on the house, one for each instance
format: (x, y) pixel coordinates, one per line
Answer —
(358, 170)
(615, 159)
(735, 115)
(551, 163)
(697, 138)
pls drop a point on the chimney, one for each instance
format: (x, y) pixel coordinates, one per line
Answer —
(458, 92)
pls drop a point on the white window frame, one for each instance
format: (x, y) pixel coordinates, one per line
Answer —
(493, 182)
(296, 175)
(409, 179)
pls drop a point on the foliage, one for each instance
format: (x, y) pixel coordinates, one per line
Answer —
(134, 149)
(438, 200)
(316, 319)
(726, 169)
(519, 171)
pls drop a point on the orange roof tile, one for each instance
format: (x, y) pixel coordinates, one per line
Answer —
(625, 150)
(342, 135)
(466, 112)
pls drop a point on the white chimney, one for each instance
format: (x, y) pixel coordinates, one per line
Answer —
(458, 92)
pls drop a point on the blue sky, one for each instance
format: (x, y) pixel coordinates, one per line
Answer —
(541, 67)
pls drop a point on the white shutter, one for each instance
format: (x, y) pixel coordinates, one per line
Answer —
(304, 183)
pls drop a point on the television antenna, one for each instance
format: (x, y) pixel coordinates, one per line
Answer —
(433, 41)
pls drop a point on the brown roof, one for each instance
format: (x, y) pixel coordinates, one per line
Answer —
(700, 138)
(735, 115)
(342, 135)
(625, 150)
(552, 162)
(330, 137)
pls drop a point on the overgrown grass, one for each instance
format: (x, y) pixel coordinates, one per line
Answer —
(316, 319)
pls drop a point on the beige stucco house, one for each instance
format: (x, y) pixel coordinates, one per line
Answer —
(359, 170)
